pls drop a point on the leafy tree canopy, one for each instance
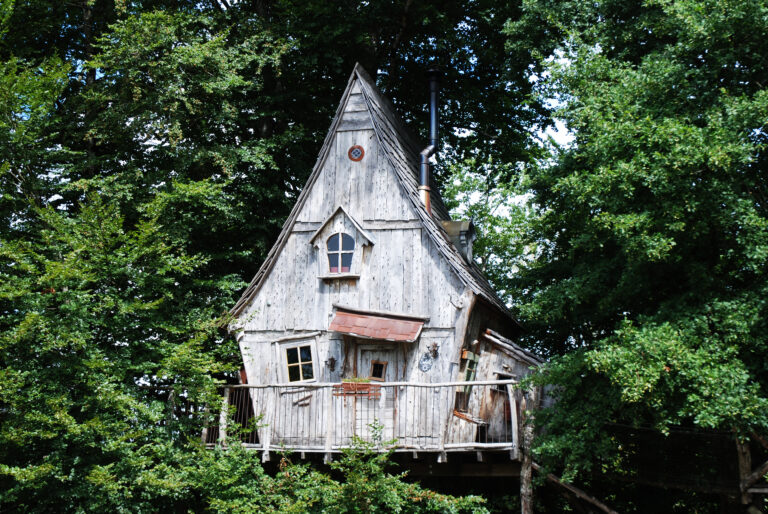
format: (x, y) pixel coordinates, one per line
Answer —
(648, 283)
(149, 153)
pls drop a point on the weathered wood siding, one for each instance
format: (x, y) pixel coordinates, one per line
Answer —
(401, 272)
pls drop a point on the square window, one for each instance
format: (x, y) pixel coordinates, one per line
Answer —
(378, 370)
(299, 363)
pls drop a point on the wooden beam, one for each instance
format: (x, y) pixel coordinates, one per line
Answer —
(577, 492)
(756, 475)
(387, 314)
(511, 343)
(745, 466)
(506, 348)
(526, 468)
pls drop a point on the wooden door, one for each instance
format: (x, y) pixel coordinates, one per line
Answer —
(378, 364)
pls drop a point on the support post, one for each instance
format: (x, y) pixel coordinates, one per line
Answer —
(271, 406)
(514, 454)
(745, 467)
(526, 468)
(330, 424)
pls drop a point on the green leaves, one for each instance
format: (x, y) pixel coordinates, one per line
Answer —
(652, 225)
(149, 153)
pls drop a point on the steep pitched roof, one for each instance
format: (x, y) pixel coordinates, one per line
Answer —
(402, 151)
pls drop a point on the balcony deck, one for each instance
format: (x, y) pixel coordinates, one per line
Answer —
(399, 416)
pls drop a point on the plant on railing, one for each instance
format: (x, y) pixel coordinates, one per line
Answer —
(361, 387)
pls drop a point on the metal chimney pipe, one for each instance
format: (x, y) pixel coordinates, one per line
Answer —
(434, 88)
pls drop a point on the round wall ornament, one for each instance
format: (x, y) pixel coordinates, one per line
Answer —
(356, 153)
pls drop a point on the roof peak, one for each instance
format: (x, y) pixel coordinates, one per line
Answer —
(401, 149)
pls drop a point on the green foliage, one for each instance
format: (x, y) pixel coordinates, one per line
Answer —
(149, 153)
(649, 282)
(481, 193)
(368, 487)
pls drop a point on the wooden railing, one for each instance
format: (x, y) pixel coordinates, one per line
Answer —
(403, 416)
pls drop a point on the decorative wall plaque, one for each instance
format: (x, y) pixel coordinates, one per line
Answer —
(356, 153)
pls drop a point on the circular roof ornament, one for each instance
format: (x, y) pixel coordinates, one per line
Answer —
(356, 153)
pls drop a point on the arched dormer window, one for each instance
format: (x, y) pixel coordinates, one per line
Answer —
(341, 242)
(341, 248)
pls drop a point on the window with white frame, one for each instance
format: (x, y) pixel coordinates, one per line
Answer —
(299, 361)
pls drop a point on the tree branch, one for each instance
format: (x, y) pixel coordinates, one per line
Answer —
(577, 492)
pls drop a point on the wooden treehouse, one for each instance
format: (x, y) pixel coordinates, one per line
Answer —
(369, 317)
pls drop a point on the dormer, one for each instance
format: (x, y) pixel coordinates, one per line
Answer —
(339, 244)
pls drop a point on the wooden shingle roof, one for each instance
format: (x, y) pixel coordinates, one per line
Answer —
(401, 149)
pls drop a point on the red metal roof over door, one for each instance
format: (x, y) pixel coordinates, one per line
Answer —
(376, 327)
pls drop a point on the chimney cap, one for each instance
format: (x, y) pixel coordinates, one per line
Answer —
(434, 73)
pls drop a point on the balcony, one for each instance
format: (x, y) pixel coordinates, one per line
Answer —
(401, 416)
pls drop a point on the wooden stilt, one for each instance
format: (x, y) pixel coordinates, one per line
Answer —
(526, 440)
(745, 467)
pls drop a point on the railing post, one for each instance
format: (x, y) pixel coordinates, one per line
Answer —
(330, 413)
(269, 414)
(223, 415)
(444, 420)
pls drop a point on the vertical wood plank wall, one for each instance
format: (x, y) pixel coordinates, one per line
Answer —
(401, 272)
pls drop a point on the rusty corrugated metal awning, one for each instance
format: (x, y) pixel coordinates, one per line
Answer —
(376, 327)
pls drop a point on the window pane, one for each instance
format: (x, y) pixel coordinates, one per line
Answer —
(333, 262)
(346, 262)
(306, 354)
(347, 243)
(333, 243)
(306, 371)
(292, 355)
(377, 370)
(293, 374)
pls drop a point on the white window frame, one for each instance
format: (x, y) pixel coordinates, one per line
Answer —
(282, 349)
